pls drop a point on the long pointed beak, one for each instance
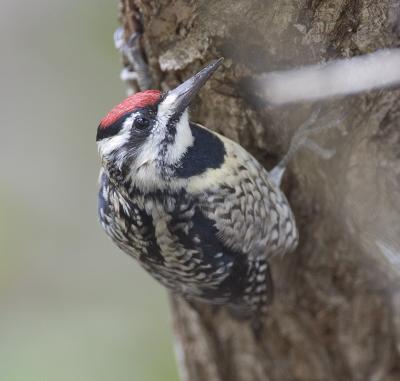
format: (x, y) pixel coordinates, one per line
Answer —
(180, 97)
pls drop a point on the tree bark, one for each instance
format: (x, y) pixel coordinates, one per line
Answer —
(336, 313)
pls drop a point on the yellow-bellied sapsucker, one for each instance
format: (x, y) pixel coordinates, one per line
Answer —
(198, 211)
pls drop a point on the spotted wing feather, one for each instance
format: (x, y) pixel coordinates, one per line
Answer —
(250, 212)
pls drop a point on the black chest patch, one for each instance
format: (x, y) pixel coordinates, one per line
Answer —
(207, 151)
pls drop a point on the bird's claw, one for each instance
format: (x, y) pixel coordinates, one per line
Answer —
(133, 40)
(300, 139)
(325, 153)
(137, 70)
(128, 75)
(119, 40)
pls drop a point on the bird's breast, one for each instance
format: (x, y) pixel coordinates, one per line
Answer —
(170, 236)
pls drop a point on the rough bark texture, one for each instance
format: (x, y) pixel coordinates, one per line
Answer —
(336, 314)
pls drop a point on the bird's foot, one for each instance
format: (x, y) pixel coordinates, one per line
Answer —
(301, 139)
(137, 69)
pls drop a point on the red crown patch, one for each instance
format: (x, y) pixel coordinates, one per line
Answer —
(138, 100)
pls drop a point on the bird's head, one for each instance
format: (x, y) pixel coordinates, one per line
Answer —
(143, 138)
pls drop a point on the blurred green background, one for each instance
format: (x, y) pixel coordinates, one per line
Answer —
(72, 307)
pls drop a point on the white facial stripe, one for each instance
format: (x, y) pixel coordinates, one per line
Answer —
(108, 145)
(165, 107)
(149, 152)
(183, 140)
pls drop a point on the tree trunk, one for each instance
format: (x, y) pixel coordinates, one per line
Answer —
(336, 312)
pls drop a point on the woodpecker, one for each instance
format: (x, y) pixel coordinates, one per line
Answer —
(197, 210)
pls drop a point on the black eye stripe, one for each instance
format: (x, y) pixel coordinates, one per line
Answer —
(149, 112)
(111, 130)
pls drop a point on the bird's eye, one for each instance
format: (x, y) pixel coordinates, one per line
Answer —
(141, 123)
